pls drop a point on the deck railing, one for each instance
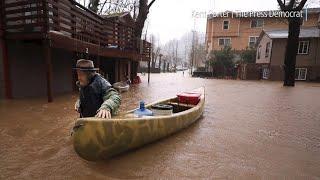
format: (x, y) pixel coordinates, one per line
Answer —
(37, 18)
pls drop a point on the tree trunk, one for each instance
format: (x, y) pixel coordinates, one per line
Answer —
(160, 64)
(93, 5)
(291, 51)
(153, 63)
(142, 16)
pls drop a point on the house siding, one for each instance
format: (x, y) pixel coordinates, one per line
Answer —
(278, 53)
(240, 30)
(28, 70)
(311, 61)
(276, 73)
(263, 59)
(62, 65)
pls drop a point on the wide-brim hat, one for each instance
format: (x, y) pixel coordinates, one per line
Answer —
(85, 65)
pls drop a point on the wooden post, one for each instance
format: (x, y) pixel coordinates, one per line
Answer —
(116, 70)
(4, 49)
(149, 71)
(120, 70)
(47, 51)
(73, 72)
(6, 70)
(129, 69)
(98, 61)
(47, 56)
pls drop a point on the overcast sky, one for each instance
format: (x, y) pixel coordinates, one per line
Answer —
(170, 19)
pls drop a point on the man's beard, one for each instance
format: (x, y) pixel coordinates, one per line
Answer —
(88, 79)
(83, 84)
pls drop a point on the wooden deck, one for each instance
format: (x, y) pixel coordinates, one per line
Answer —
(69, 25)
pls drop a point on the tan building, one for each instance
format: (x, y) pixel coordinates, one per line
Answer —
(241, 30)
(271, 48)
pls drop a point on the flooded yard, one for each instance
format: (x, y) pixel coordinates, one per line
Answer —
(249, 130)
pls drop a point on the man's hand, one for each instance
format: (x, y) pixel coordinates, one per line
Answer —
(103, 113)
(76, 106)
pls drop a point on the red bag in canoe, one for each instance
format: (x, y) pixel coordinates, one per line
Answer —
(189, 98)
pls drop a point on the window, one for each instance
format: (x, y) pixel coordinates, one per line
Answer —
(265, 73)
(255, 23)
(259, 52)
(224, 41)
(303, 47)
(226, 24)
(253, 40)
(301, 74)
(268, 49)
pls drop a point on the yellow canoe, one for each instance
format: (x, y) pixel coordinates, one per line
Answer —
(97, 139)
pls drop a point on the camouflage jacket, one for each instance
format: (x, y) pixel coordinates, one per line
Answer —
(97, 95)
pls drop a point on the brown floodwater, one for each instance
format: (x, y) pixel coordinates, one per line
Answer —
(249, 130)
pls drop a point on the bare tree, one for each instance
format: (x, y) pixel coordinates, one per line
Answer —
(177, 51)
(155, 50)
(170, 49)
(117, 6)
(94, 5)
(144, 7)
(293, 38)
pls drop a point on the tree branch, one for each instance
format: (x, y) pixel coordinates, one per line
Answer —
(103, 4)
(291, 3)
(301, 5)
(151, 3)
(281, 4)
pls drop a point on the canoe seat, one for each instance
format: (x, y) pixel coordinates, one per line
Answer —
(179, 107)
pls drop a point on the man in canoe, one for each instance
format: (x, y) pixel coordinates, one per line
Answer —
(97, 97)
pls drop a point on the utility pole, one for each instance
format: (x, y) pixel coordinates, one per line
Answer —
(193, 53)
(176, 57)
(185, 54)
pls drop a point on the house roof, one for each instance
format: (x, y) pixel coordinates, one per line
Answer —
(312, 32)
(282, 34)
(313, 10)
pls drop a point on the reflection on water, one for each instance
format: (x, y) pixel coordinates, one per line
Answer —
(250, 129)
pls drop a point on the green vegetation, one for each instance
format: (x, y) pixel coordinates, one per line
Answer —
(248, 55)
(221, 62)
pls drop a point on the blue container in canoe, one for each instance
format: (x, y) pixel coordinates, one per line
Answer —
(142, 111)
